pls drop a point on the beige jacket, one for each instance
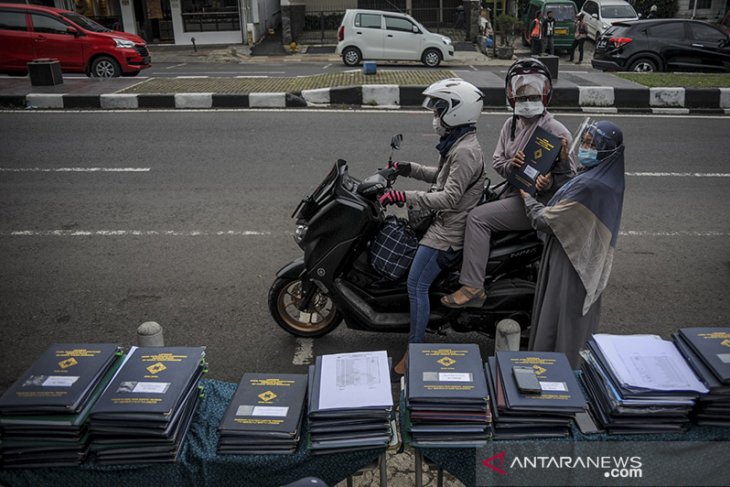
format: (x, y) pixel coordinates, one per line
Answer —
(463, 166)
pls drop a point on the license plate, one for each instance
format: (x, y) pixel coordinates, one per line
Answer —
(601, 44)
(561, 31)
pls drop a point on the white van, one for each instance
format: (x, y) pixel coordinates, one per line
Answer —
(375, 34)
(601, 14)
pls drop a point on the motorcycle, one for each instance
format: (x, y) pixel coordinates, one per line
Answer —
(334, 280)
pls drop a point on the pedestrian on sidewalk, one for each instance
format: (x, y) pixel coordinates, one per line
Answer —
(536, 35)
(580, 225)
(581, 34)
(548, 34)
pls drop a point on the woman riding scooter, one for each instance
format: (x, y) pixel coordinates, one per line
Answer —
(457, 184)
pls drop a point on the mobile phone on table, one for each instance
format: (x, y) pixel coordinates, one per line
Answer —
(526, 379)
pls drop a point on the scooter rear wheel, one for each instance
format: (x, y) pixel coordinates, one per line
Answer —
(321, 318)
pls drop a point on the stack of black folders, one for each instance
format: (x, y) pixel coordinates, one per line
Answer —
(145, 412)
(350, 402)
(265, 415)
(548, 410)
(446, 396)
(707, 351)
(44, 413)
(638, 384)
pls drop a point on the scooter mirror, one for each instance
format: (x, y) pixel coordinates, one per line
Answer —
(395, 141)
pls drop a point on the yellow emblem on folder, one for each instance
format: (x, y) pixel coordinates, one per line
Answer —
(156, 368)
(267, 396)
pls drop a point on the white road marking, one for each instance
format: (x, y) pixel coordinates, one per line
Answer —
(327, 66)
(75, 169)
(639, 233)
(176, 66)
(244, 77)
(472, 68)
(191, 77)
(304, 351)
(132, 233)
(681, 174)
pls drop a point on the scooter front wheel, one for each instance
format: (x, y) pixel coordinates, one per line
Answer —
(319, 319)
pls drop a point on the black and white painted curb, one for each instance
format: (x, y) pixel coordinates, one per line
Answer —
(603, 99)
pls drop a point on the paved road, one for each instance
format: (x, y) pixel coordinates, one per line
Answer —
(224, 185)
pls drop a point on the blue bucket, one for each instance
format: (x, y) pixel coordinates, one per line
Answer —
(369, 67)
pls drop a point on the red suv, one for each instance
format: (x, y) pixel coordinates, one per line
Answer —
(81, 45)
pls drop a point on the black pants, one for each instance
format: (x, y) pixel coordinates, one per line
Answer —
(577, 43)
(536, 45)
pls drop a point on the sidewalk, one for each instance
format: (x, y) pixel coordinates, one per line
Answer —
(576, 87)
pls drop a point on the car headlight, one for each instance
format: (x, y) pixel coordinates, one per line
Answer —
(299, 233)
(123, 43)
(446, 40)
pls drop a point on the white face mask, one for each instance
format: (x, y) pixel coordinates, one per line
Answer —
(437, 127)
(529, 109)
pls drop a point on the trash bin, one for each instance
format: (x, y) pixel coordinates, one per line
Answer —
(45, 72)
(369, 67)
(551, 62)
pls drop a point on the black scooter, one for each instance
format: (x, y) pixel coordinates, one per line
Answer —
(334, 279)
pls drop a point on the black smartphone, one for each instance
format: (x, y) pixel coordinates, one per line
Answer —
(526, 379)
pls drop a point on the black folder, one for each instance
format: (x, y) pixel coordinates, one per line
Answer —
(541, 152)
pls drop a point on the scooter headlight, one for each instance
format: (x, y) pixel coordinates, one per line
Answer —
(299, 233)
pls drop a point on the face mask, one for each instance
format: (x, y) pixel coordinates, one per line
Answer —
(588, 157)
(437, 127)
(529, 109)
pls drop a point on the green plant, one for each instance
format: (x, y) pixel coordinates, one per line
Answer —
(507, 28)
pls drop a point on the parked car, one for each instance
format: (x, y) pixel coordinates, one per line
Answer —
(601, 14)
(663, 45)
(29, 32)
(564, 12)
(376, 35)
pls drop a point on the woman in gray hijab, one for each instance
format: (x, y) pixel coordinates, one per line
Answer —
(580, 225)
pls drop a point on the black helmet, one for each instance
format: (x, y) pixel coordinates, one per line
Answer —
(528, 66)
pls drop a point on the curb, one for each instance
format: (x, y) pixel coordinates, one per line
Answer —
(601, 99)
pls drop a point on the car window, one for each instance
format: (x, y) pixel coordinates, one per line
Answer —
(562, 11)
(84, 22)
(12, 21)
(670, 30)
(398, 23)
(370, 21)
(617, 11)
(706, 33)
(590, 8)
(48, 25)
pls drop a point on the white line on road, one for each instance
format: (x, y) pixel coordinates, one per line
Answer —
(191, 77)
(131, 233)
(472, 68)
(638, 233)
(75, 169)
(176, 66)
(304, 351)
(681, 174)
(244, 77)
(327, 66)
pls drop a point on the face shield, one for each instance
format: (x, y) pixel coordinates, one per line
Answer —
(527, 85)
(595, 141)
(436, 105)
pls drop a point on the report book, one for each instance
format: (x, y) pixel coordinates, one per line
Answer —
(265, 414)
(559, 389)
(541, 152)
(61, 379)
(713, 346)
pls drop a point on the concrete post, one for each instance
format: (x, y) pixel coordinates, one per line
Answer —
(507, 336)
(149, 334)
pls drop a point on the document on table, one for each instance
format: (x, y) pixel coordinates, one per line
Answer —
(355, 380)
(647, 362)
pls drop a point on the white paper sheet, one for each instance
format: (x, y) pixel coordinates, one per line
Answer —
(648, 362)
(354, 380)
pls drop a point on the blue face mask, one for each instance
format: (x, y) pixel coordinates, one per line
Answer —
(588, 157)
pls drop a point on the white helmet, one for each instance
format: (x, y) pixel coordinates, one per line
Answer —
(455, 101)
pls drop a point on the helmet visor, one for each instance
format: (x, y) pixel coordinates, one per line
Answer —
(528, 84)
(437, 105)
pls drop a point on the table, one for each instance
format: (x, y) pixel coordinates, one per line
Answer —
(198, 463)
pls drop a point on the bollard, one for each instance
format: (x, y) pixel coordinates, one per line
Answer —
(507, 336)
(195, 48)
(149, 334)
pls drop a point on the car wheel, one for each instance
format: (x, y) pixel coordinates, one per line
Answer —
(104, 67)
(431, 58)
(351, 56)
(644, 65)
(321, 318)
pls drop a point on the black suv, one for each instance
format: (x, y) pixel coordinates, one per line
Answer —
(663, 45)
